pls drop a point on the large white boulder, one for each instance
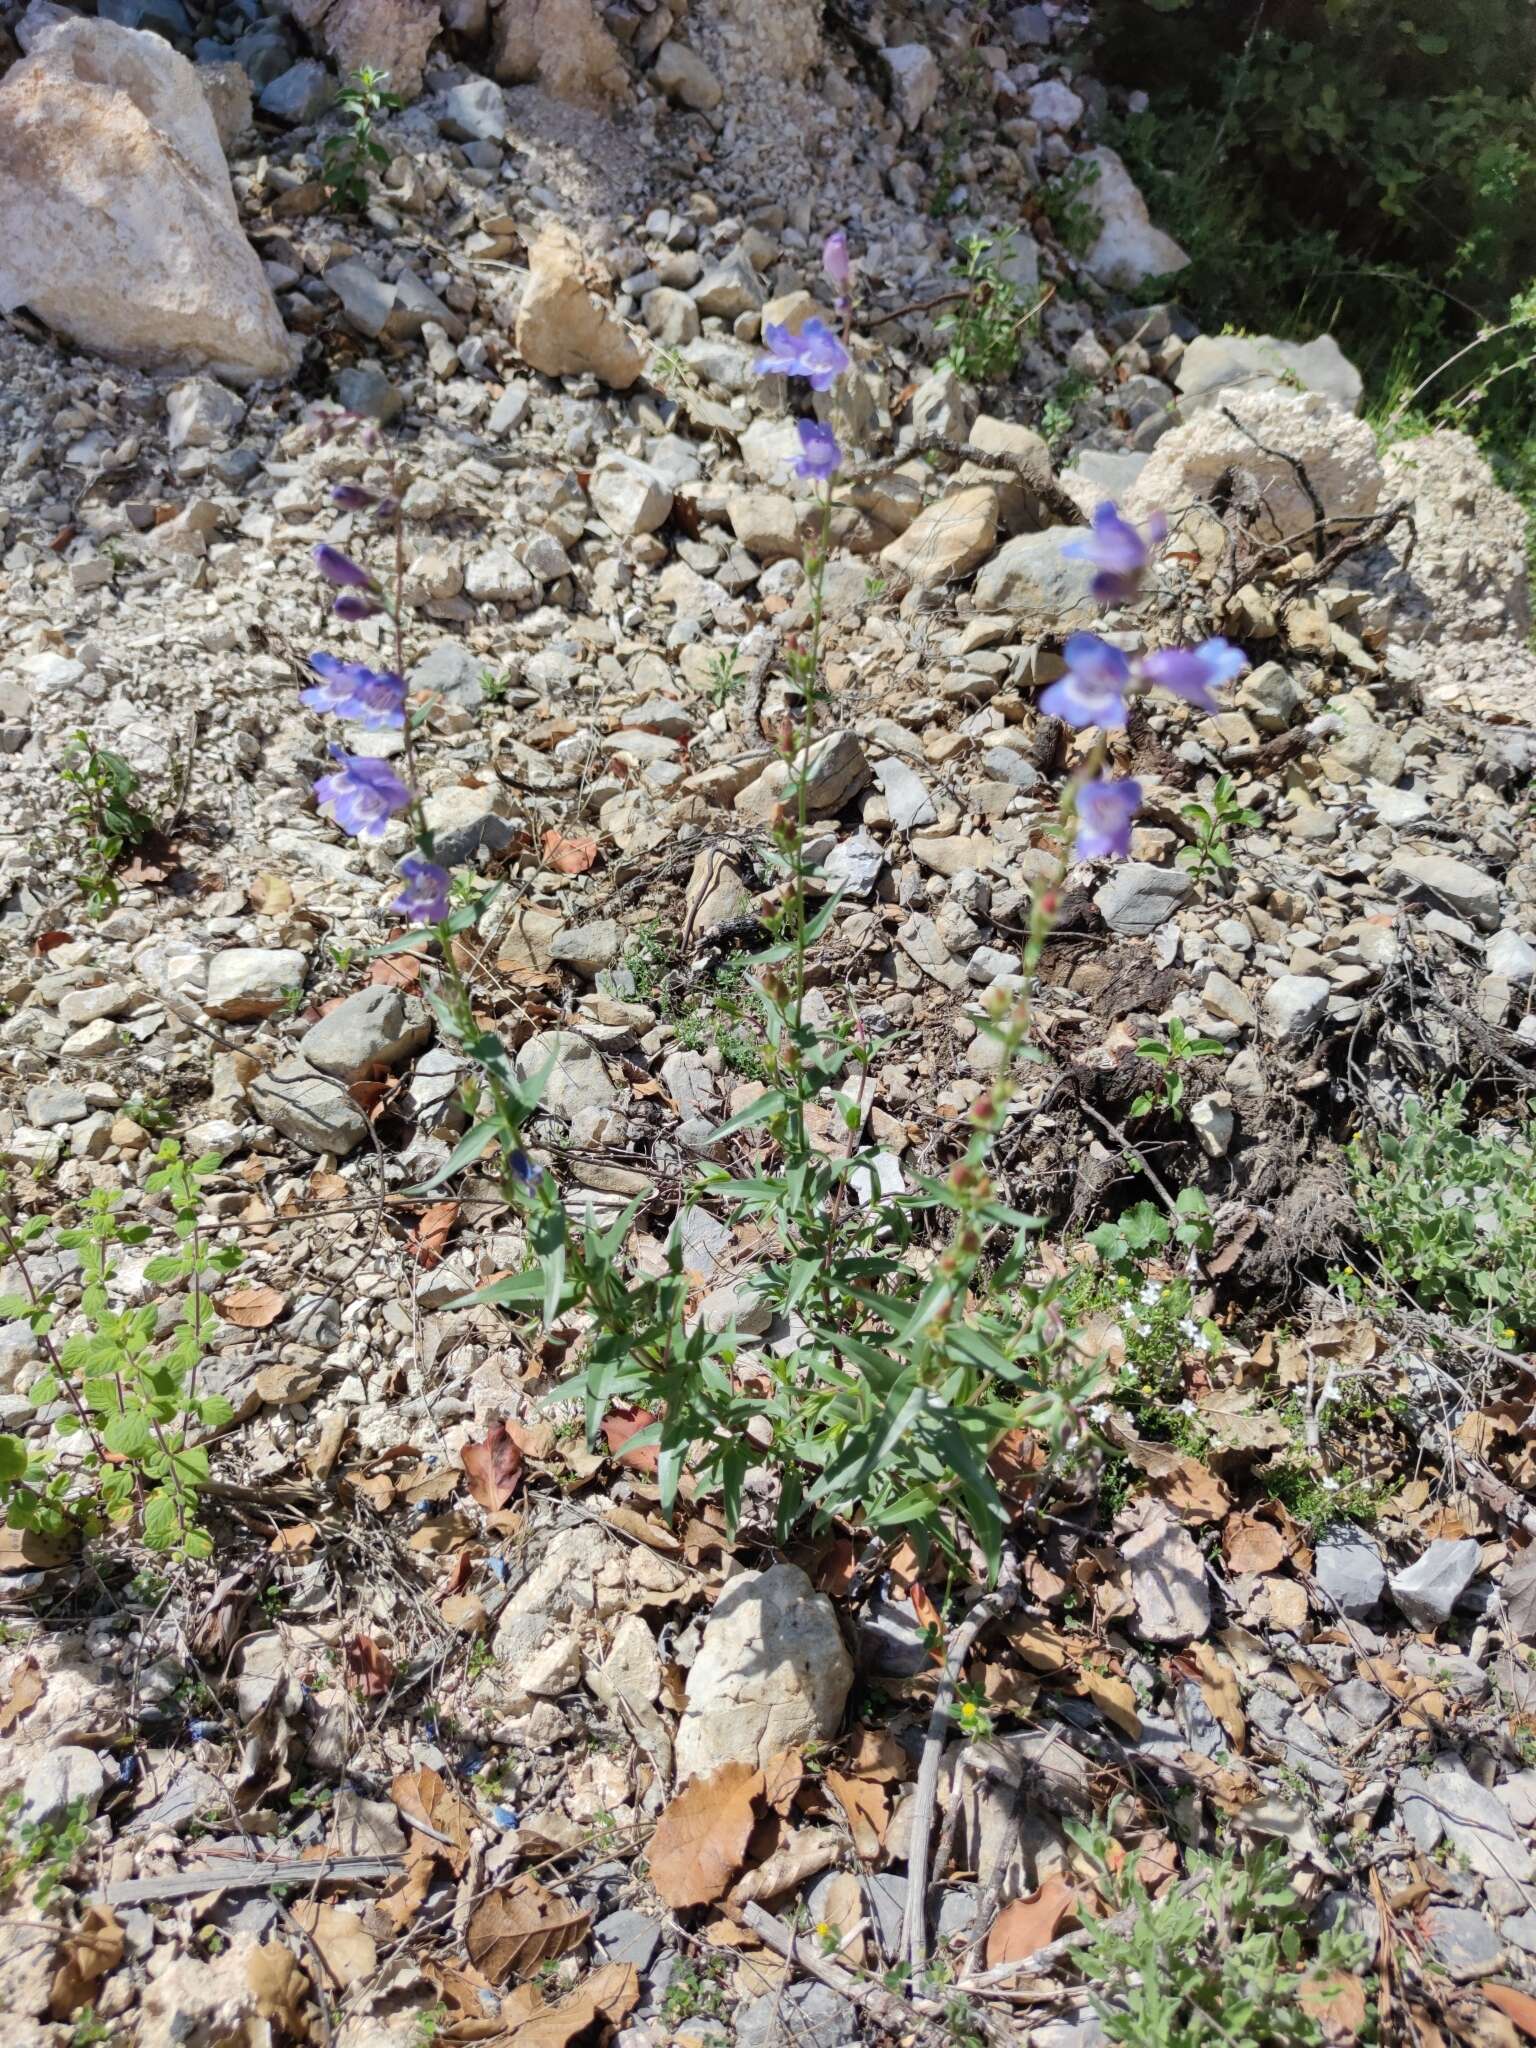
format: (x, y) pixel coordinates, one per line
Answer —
(118, 226)
(1128, 249)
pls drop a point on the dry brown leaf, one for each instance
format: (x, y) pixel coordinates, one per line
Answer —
(1337, 2003)
(783, 1775)
(514, 1929)
(396, 970)
(1515, 2005)
(91, 1952)
(270, 895)
(619, 1425)
(251, 1308)
(1195, 1494)
(1250, 1544)
(701, 1839)
(877, 1754)
(842, 1908)
(465, 1613)
(568, 856)
(280, 1385)
(1028, 1924)
(432, 1232)
(293, 1541)
(1220, 1690)
(29, 1550)
(494, 1467)
(610, 1994)
(277, 1982)
(642, 1528)
(536, 1440)
(804, 1855)
(1114, 1698)
(866, 1809)
(422, 1795)
(26, 1690)
(371, 1666)
(443, 1535)
(401, 1905)
(343, 1943)
(1042, 1647)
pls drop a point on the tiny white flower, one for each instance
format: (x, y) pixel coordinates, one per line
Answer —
(1151, 1293)
(1189, 1328)
(1202, 1342)
(1187, 1408)
(1099, 1413)
(1142, 1329)
(1330, 1486)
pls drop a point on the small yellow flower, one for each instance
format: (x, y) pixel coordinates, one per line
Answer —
(968, 1714)
(824, 1930)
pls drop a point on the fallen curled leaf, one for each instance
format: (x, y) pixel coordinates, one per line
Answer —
(1025, 1925)
(396, 970)
(423, 1796)
(1114, 1699)
(1251, 1544)
(465, 1613)
(629, 1523)
(866, 1809)
(568, 856)
(270, 894)
(783, 1775)
(1337, 2003)
(290, 1542)
(372, 1667)
(400, 1905)
(281, 1385)
(91, 1952)
(701, 1839)
(519, 1926)
(26, 1690)
(804, 1855)
(619, 1425)
(1042, 1647)
(278, 1984)
(1515, 2005)
(608, 1997)
(443, 1535)
(433, 1229)
(1219, 1689)
(252, 1308)
(343, 1944)
(877, 1754)
(493, 1467)
(1195, 1494)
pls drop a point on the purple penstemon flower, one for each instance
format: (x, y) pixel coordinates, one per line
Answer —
(355, 604)
(815, 353)
(834, 261)
(1117, 551)
(352, 497)
(336, 567)
(1092, 692)
(349, 690)
(424, 899)
(364, 795)
(1194, 672)
(1105, 813)
(820, 457)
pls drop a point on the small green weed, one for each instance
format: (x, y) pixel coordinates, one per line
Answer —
(1213, 823)
(42, 1851)
(348, 158)
(1142, 1231)
(695, 1990)
(1058, 415)
(104, 815)
(1069, 206)
(725, 676)
(987, 330)
(1169, 1054)
(88, 2030)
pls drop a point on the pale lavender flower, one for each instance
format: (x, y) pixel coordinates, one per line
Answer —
(1193, 672)
(1092, 692)
(351, 497)
(1117, 551)
(424, 899)
(820, 457)
(349, 690)
(1105, 812)
(815, 353)
(355, 604)
(336, 567)
(363, 796)
(834, 261)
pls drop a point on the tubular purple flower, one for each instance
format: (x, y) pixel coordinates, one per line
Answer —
(820, 457)
(815, 353)
(349, 690)
(834, 261)
(364, 795)
(336, 567)
(1194, 672)
(1092, 692)
(355, 604)
(424, 899)
(1117, 551)
(1105, 812)
(351, 497)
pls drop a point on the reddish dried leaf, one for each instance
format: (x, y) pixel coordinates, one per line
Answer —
(701, 1839)
(866, 1808)
(26, 1690)
(1337, 2003)
(372, 1667)
(619, 1427)
(423, 1796)
(1252, 1545)
(494, 1468)
(252, 1308)
(515, 1929)
(432, 1232)
(1515, 2005)
(46, 941)
(1028, 1924)
(568, 856)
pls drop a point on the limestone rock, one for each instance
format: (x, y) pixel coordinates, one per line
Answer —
(577, 1077)
(1294, 1004)
(1173, 1604)
(684, 76)
(1031, 576)
(563, 328)
(369, 1031)
(1128, 248)
(1339, 454)
(630, 496)
(252, 981)
(772, 1671)
(1215, 364)
(949, 539)
(837, 768)
(1138, 897)
(1428, 1589)
(559, 44)
(311, 1108)
(1455, 885)
(386, 35)
(118, 225)
(915, 80)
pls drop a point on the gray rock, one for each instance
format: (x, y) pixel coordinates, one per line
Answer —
(312, 1109)
(48, 1106)
(837, 768)
(1173, 1603)
(1029, 575)
(366, 300)
(670, 315)
(1447, 1800)
(1108, 473)
(629, 496)
(771, 1671)
(451, 672)
(252, 981)
(1455, 885)
(892, 1642)
(731, 288)
(1213, 1124)
(200, 413)
(498, 577)
(1294, 1004)
(915, 80)
(683, 76)
(1512, 956)
(462, 820)
(1429, 1588)
(906, 794)
(475, 111)
(59, 1778)
(588, 948)
(1213, 363)
(1463, 1942)
(854, 865)
(1227, 1001)
(1137, 898)
(628, 1937)
(577, 1077)
(371, 1030)
(265, 53)
(1029, 25)
(1397, 807)
(368, 392)
(1272, 698)
(300, 94)
(1348, 1567)
(166, 18)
